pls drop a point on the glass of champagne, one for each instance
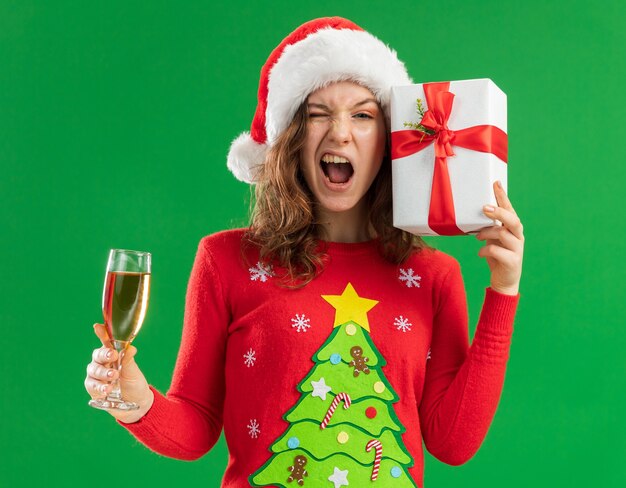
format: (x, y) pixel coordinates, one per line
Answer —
(124, 305)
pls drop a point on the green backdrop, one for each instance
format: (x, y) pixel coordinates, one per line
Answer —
(115, 119)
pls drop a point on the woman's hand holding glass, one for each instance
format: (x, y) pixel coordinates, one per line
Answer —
(504, 248)
(101, 372)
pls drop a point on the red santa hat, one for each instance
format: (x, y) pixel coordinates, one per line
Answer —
(316, 54)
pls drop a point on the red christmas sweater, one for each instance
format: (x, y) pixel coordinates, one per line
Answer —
(337, 382)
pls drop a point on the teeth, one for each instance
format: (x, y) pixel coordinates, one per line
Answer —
(329, 158)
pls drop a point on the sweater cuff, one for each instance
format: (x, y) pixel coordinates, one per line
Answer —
(147, 424)
(498, 312)
(492, 340)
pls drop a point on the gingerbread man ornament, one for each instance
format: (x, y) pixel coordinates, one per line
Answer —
(358, 361)
(297, 470)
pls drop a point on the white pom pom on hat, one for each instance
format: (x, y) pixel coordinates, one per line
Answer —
(316, 54)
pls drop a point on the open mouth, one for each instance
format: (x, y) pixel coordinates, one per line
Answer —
(337, 169)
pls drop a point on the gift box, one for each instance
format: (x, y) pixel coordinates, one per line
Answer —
(448, 147)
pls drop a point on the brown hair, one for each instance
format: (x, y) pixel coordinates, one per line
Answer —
(283, 224)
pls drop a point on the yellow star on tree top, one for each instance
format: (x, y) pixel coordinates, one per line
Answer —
(351, 307)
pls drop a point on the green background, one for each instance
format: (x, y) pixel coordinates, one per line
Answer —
(115, 120)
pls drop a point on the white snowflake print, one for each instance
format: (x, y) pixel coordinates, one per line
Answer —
(253, 429)
(402, 323)
(428, 355)
(261, 272)
(300, 322)
(410, 279)
(249, 358)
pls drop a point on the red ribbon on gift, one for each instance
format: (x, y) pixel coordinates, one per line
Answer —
(483, 138)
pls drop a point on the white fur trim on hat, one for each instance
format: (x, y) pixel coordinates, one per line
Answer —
(326, 56)
(245, 156)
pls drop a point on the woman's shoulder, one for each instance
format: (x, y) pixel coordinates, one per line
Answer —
(435, 261)
(224, 244)
(224, 251)
(223, 239)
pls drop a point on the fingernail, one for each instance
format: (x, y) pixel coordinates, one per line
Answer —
(103, 388)
(110, 373)
(109, 354)
(499, 183)
(489, 208)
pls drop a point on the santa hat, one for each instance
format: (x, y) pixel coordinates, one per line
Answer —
(316, 54)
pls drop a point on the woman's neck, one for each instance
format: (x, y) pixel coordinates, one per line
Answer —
(348, 226)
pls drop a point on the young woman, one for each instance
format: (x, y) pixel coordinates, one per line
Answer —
(321, 302)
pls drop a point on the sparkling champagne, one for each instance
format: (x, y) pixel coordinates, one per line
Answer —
(124, 305)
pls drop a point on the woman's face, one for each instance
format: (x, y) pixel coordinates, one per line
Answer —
(344, 145)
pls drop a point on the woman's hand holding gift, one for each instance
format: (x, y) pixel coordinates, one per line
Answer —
(504, 248)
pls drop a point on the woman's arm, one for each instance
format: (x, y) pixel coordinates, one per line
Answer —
(187, 422)
(463, 384)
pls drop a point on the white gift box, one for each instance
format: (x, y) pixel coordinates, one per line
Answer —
(471, 172)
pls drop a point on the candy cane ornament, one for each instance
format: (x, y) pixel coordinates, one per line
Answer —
(333, 406)
(376, 444)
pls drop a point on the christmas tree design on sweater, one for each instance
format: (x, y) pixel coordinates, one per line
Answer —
(343, 430)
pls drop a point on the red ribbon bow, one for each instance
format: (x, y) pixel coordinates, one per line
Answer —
(483, 138)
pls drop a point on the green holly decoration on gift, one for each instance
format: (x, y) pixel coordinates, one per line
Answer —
(346, 403)
(417, 125)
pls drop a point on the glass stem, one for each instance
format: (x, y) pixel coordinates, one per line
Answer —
(116, 392)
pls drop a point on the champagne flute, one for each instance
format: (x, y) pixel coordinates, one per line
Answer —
(124, 305)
